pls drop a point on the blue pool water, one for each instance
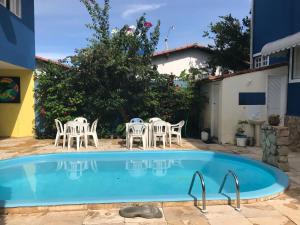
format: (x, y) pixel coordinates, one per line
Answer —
(106, 177)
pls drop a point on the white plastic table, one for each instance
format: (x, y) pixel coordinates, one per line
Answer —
(149, 134)
(82, 126)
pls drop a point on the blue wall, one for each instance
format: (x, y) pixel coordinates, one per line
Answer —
(274, 19)
(17, 43)
(293, 103)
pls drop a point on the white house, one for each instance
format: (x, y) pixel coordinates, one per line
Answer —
(242, 96)
(176, 60)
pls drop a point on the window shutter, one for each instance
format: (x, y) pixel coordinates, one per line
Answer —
(3, 2)
(15, 7)
(296, 63)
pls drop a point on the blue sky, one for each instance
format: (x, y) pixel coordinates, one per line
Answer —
(60, 24)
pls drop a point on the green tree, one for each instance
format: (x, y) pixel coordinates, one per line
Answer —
(231, 43)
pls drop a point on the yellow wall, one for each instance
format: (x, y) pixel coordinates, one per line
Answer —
(17, 119)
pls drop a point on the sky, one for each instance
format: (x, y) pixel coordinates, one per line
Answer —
(60, 24)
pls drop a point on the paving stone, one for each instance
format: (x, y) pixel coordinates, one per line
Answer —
(229, 220)
(64, 218)
(289, 207)
(268, 220)
(260, 209)
(22, 219)
(184, 215)
(105, 216)
(225, 215)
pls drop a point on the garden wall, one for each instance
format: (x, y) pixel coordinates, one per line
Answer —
(293, 123)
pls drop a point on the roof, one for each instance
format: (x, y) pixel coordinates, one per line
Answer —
(183, 48)
(242, 72)
(40, 58)
(281, 44)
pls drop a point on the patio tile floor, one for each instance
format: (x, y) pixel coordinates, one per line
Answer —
(283, 210)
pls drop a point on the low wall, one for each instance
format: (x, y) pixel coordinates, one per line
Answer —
(275, 145)
(293, 123)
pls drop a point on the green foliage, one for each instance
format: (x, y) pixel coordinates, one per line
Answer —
(56, 97)
(112, 79)
(231, 46)
(194, 73)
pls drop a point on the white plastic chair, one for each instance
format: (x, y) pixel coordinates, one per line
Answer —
(176, 131)
(60, 133)
(80, 120)
(159, 130)
(154, 119)
(137, 130)
(75, 131)
(136, 120)
(93, 132)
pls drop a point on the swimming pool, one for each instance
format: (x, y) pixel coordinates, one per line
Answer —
(109, 177)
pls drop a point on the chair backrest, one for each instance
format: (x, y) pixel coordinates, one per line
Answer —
(159, 127)
(94, 126)
(75, 129)
(154, 119)
(136, 120)
(59, 126)
(177, 127)
(137, 129)
(181, 124)
(81, 119)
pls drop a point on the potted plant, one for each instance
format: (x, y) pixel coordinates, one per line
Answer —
(241, 138)
(274, 120)
(205, 135)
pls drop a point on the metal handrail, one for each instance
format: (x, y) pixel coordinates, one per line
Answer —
(203, 189)
(237, 188)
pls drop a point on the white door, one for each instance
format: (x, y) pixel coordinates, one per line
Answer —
(276, 97)
(215, 110)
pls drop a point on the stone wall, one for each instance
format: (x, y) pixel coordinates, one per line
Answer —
(275, 145)
(293, 123)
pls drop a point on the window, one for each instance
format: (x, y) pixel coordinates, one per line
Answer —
(15, 7)
(295, 64)
(3, 2)
(261, 61)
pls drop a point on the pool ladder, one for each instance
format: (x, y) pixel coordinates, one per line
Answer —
(237, 189)
(197, 173)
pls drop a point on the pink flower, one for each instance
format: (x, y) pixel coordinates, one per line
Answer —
(148, 24)
(43, 111)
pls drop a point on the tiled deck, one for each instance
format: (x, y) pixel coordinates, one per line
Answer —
(283, 210)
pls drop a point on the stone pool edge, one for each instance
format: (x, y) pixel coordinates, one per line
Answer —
(82, 207)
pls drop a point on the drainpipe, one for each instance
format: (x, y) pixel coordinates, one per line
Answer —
(251, 33)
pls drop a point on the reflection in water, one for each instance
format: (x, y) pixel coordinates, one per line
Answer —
(76, 168)
(138, 168)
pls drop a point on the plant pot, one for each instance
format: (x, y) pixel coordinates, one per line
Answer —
(241, 141)
(204, 136)
(274, 120)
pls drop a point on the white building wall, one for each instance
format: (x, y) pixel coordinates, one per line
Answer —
(229, 109)
(176, 62)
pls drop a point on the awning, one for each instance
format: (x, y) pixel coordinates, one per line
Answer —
(281, 44)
